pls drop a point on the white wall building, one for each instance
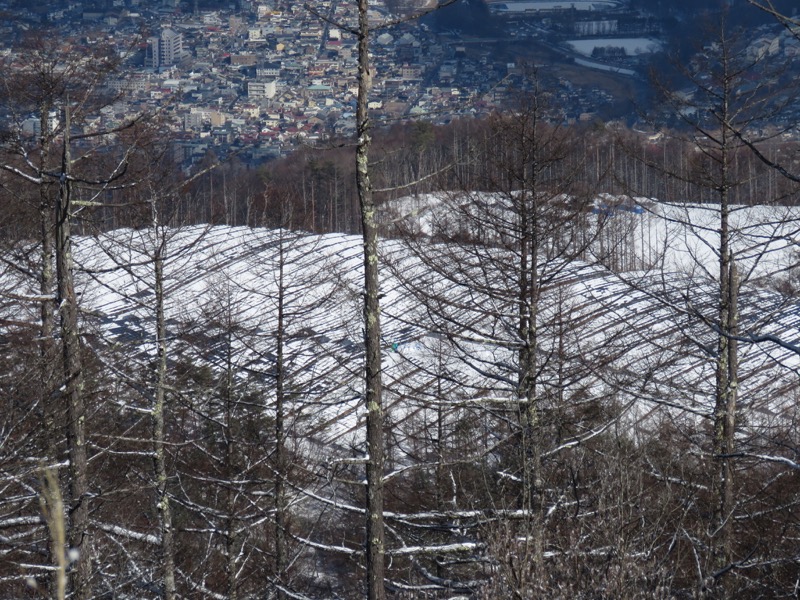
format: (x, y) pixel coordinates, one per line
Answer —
(164, 50)
(261, 89)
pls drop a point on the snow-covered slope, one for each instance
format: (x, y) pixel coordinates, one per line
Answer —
(669, 236)
(637, 339)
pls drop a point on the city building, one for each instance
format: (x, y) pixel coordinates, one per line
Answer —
(165, 50)
(261, 89)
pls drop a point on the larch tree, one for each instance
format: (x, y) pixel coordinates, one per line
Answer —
(62, 92)
(375, 546)
(142, 259)
(293, 286)
(490, 268)
(375, 542)
(722, 125)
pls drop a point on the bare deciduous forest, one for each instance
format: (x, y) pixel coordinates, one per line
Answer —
(506, 358)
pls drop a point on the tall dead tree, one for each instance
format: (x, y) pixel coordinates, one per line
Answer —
(373, 385)
(63, 161)
(493, 260)
(375, 543)
(726, 124)
(67, 306)
(53, 99)
(163, 507)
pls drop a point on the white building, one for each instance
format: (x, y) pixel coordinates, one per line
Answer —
(32, 126)
(256, 34)
(269, 71)
(261, 89)
(165, 50)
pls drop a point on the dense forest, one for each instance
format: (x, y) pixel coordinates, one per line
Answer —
(578, 378)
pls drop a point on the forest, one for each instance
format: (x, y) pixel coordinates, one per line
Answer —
(502, 358)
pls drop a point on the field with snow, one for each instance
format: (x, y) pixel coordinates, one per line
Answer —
(512, 6)
(647, 311)
(656, 235)
(637, 297)
(631, 46)
(263, 324)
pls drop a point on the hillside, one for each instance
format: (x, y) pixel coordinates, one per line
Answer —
(625, 366)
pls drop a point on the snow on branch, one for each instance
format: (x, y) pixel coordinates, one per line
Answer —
(127, 533)
(15, 521)
(290, 594)
(440, 549)
(328, 548)
(17, 172)
(201, 587)
(766, 457)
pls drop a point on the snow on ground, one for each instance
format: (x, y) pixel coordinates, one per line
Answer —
(675, 237)
(635, 337)
(507, 6)
(649, 316)
(671, 237)
(632, 46)
(604, 67)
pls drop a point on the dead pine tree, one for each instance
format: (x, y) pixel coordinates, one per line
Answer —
(72, 166)
(724, 125)
(375, 547)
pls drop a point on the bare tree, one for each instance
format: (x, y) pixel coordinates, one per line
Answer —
(64, 93)
(770, 7)
(489, 273)
(372, 327)
(373, 386)
(724, 124)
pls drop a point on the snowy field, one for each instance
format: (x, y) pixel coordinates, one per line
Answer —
(450, 311)
(685, 238)
(680, 238)
(625, 354)
(548, 5)
(632, 46)
(604, 67)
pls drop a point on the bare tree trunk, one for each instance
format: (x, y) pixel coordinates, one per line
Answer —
(47, 343)
(730, 409)
(280, 434)
(726, 376)
(526, 392)
(725, 418)
(159, 458)
(73, 381)
(231, 471)
(372, 328)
